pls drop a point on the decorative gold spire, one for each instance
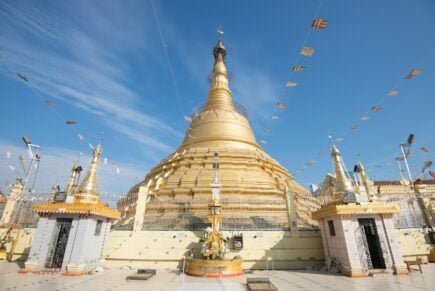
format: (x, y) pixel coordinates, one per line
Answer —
(219, 95)
(220, 123)
(87, 191)
(72, 185)
(365, 179)
(342, 182)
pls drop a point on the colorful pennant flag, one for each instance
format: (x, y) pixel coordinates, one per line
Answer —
(376, 108)
(427, 165)
(424, 149)
(291, 84)
(281, 105)
(70, 122)
(432, 174)
(22, 77)
(365, 118)
(49, 103)
(319, 24)
(354, 126)
(393, 93)
(307, 51)
(413, 73)
(298, 68)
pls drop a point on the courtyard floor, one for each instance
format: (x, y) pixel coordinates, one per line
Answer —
(114, 279)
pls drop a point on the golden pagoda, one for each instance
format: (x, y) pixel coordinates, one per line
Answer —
(256, 189)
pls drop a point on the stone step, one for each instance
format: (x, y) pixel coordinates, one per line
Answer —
(380, 273)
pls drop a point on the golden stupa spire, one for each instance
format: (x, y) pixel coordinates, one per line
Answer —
(87, 191)
(72, 184)
(342, 182)
(220, 122)
(364, 178)
(219, 95)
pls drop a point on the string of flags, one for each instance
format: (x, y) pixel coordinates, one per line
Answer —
(51, 105)
(305, 51)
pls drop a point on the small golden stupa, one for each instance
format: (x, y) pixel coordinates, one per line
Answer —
(85, 199)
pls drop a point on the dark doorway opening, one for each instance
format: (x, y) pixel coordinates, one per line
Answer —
(373, 242)
(58, 243)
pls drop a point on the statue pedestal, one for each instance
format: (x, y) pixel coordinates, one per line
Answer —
(431, 257)
(214, 268)
(3, 254)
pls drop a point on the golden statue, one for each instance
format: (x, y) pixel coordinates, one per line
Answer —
(214, 246)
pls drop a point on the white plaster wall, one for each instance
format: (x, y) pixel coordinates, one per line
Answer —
(162, 249)
(336, 244)
(349, 227)
(84, 247)
(41, 242)
(413, 243)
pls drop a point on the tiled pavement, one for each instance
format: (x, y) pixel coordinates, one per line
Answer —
(114, 279)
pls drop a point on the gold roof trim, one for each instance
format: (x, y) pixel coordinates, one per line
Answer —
(76, 207)
(336, 209)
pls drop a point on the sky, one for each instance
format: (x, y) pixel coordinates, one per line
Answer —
(128, 71)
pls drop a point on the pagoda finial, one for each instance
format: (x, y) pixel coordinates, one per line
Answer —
(342, 182)
(220, 33)
(87, 191)
(219, 95)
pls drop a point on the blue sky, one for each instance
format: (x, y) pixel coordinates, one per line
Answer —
(103, 63)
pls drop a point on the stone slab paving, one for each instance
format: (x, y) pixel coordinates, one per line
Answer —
(114, 279)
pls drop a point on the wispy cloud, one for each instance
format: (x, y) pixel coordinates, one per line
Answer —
(255, 90)
(79, 59)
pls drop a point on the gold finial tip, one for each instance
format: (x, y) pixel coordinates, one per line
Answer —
(219, 49)
(334, 150)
